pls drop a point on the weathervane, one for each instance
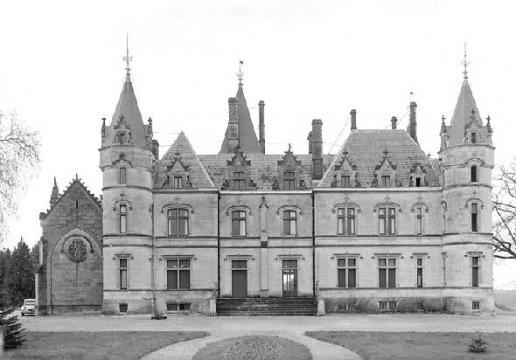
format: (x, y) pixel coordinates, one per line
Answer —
(240, 73)
(127, 58)
(465, 62)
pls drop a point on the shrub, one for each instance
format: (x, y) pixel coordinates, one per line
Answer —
(478, 345)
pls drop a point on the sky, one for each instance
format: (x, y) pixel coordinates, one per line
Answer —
(62, 70)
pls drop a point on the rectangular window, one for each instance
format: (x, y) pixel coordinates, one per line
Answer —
(474, 217)
(392, 305)
(178, 274)
(475, 305)
(289, 180)
(418, 182)
(386, 181)
(419, 221)
(347, 272)
(474, 271)
(345, 181)
(178, 222)
(122, 308)
(387, 272)
(172, 308)
(419, 272)
(239, 223)
(289, 222)
(346, 221)
(123, 175)
(473, 174)
(382, 305)
(178, 181)
(122, 274)
(387, 218)
(473, 137)
(123, 219)
(238, 180)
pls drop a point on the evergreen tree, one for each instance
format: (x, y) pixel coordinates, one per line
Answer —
(10, 327)
(5, 255)
(19, 281)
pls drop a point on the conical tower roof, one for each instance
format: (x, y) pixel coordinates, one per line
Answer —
(248, 140)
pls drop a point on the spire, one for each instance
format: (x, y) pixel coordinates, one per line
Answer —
(55, 193)
(465, 63)
(127, 126)
(127, 60)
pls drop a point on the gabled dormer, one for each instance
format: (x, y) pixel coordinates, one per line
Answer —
(177, 174)
(122, 132)
(473, 130)
(385, 173)
(344, 173)
(417, 176)
(239, 173)
(289, 169)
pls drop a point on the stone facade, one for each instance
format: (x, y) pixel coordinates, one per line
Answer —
(380, 226)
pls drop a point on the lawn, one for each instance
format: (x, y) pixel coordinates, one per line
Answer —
(96, 345)
(420, 345)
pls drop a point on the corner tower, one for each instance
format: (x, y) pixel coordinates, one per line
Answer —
(126, 161)
(467, 160)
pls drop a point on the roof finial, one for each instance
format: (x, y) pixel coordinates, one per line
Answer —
(127, 58)
(465, 62)
(240, 73)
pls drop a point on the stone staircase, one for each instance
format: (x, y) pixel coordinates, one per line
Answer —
(294, 306)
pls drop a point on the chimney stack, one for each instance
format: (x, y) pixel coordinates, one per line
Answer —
(413, 123)
(309, 138)
(317, 149)
(261, 107)
(233, 138)
(353, 114)
(394, 122)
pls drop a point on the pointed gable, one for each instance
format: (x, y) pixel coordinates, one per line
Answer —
(127, 121)
(181, 160)
(248, 140)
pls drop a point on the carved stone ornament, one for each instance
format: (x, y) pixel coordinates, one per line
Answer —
(77, 250)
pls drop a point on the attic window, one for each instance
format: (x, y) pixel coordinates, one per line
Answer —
(238, 180)
(418, 182)
(473, 137)
(289, 180)
(178, 181)
(345, 181)
(386, 181)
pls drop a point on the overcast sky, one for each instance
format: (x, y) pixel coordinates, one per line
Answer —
(61, 70)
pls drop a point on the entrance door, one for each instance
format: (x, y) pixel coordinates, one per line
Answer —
(239, 278)
(289, 278)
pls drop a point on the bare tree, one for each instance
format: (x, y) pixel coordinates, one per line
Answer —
(504, 204)
(19, 163)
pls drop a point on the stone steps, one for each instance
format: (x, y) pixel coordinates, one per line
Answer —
(301, 306)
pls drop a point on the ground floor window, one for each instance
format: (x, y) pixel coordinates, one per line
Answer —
(122, 308)
(177, 307)
(475, 305)
(347, 272)
(387, 305)
(387, 272)
(178, 274)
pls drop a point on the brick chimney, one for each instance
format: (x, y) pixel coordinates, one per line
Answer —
(394, 122)
(233, 139)
(309, 138)
(353, 114)
(413, 123)
(317, 149)
(261, 108)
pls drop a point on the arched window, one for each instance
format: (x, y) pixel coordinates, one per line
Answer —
(178, 222)
(346, 221)
(239, 223)
(122, 179)
(123, 218)
(474, 173)
(289, 222)
(474, 217)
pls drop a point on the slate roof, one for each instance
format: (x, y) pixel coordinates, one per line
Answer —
(196, 170)
(247, 136)
(462, 116)
(128, 107)
(264, 168)
(366, 150)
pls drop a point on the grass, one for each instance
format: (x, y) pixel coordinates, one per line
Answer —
(419, 345)
(239, 348)
(96, 345)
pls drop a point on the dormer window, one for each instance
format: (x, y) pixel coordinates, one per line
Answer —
(417, 175)
(344, 173)
(385, 173)
(289, 171)
(473, 137)
(177, 174)
(418, 182)
(289, 180)
(345, 181)
(178, 181)
(386, 181)
(238, 180)
(239, 169)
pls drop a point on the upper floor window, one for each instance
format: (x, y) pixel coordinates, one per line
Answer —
(475, 265)
(177, 220)
(123, 219)
(346, 221)
(386, 181)
(387, 218)
(474, 217)
(419, 220)
(387, 272)
(289, 180)
(122, 179)
(289, 222)
(473, 137)
(474, 173)
(239, 220)
(238, 180)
